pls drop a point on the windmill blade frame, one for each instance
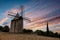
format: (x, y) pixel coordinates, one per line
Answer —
(22, 8)
(12, 15)
(27, 19)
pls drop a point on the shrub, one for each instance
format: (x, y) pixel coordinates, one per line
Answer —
(27, 31)
(39, 32)
(6, 29)
(1, 28)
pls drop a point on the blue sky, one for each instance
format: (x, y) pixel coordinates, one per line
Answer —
(35, 10)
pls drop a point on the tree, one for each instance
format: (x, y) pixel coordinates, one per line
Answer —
(6, 29)
(56, 34)
(1, 28)
(39, 32)
(27, 31)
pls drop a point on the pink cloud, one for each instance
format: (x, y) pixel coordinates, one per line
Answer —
(13, 11)
(3, 20)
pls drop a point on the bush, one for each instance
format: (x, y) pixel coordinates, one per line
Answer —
(50, 34)
(27, 31)
(39, 32)
(59, 35)
(56, 34)
(1, 28)
(6, 29)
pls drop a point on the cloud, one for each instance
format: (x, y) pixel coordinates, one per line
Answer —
(11, 11)
(40, 24)
(57, 31)
(39, 13)
(53, 13)
(3, 20)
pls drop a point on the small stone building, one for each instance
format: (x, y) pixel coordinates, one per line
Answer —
(17, 24)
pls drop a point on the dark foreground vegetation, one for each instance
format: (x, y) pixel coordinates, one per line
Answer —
(38, 32)
(50, 33)
(4, 29)
(27, 31)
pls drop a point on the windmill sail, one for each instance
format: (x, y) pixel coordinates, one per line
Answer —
(22, 11)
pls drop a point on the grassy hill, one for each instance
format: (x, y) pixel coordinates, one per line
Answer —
(9, 36)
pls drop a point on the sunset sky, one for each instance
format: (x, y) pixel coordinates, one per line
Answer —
(38, 11)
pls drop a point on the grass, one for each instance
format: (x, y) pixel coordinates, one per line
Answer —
(10, 36)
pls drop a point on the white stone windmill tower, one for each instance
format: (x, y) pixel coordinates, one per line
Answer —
(17, 22)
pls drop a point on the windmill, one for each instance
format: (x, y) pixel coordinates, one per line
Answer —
(17, 22)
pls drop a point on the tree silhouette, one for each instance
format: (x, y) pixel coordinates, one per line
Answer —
(1, 28)
(39, 32)
(50, 34)
(6, 29)
(27, 31)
